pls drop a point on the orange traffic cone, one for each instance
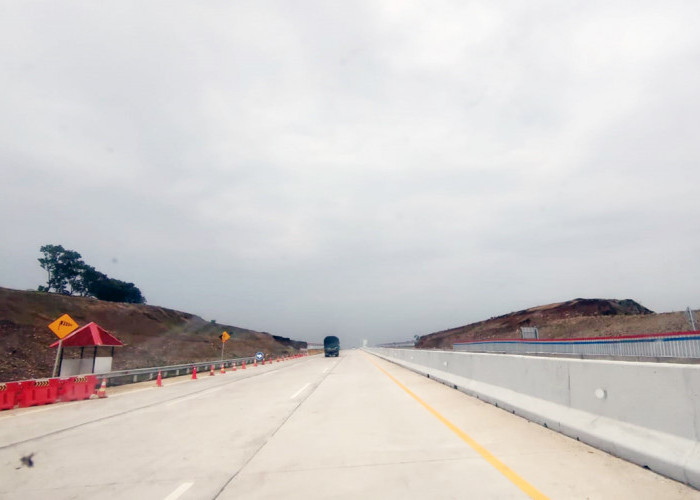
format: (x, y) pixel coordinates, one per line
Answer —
(234, 366)
(194, 373)
(159, 380)
(102, 391)
(278, 359)
(211, 372)
(223, 370)
(263, 363)
(243, 365)
(255, 363)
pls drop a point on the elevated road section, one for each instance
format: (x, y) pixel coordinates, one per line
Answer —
(683, 346)
(353, 427)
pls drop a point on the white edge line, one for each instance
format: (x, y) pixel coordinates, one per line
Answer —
(300, 390)
(165, 384)
(196, 395)
(32, 410)
(178, 382)
(179, 491)
(181, 400)
(131, 392)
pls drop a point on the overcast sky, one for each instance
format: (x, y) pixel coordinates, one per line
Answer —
(370, 169)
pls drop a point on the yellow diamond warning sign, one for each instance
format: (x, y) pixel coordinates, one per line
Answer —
(224, 337)
(63, 326)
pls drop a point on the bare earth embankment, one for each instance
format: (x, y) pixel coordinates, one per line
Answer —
(573, 318)
(154, 336)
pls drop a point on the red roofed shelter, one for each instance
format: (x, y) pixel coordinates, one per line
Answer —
(90, 335)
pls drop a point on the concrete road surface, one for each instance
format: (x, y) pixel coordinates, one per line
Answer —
(348, 427)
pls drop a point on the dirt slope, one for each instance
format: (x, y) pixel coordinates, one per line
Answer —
(154, 336)
(574, 318)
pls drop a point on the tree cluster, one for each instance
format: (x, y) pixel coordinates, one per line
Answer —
(68, 274)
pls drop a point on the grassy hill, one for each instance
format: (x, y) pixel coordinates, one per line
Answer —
(154, 336)
(573, 318)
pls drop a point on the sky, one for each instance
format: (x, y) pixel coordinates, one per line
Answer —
(368, 169)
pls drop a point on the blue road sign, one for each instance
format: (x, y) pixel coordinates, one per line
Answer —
(259, 356)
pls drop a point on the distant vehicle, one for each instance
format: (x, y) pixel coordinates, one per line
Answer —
(331, 346)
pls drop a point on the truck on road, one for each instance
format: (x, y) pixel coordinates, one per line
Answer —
(331, 346)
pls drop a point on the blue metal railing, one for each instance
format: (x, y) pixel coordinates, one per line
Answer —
(665, 345)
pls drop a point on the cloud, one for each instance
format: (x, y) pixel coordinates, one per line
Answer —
(372, 169)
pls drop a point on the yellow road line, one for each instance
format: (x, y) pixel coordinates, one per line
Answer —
(514, 478)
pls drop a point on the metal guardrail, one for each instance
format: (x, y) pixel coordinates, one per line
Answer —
(408, 344)
(122, 377)
(665, 345)
(134, 375)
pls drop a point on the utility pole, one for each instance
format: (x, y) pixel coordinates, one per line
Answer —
(224, 337)
(59, 358)
(691, 318)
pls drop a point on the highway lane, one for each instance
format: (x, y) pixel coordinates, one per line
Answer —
(310, 428)
(23, 425)
(142, 445)
(361, 434)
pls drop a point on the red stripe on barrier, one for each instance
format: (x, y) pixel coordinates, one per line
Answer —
(38, 392)
(8, 395)
(574, 339)
(77, 388)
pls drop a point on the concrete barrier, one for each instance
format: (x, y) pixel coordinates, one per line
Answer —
(647, 413)
(8, 395)
(77, 388)
(37, 392)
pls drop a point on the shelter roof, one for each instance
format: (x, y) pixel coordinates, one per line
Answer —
(91, 334)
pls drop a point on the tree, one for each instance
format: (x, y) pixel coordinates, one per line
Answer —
(110, 289)
(51, 262)
(102, 287)
(70, 275)
(91, 279)
(71, 265)
(64, 268)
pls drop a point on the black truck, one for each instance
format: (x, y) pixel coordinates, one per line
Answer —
(331, 346)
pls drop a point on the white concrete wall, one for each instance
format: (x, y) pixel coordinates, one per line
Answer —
(81, 366)
(70, 367)
(103, 364)
(647, 413)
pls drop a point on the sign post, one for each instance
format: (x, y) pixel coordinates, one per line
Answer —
(61, 327)
(59, 354)
(691, 318)
(224, 337)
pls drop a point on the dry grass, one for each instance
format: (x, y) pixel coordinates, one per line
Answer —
(577, 318)
(154, 336)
